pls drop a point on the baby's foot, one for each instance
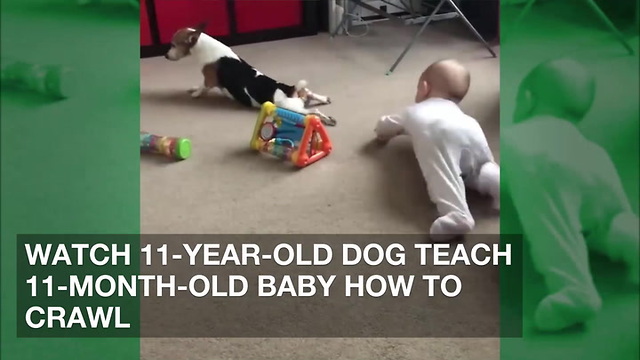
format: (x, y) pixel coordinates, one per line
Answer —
(449, 226)
(567, 308)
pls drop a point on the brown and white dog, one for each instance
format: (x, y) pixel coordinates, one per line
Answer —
(223, 70)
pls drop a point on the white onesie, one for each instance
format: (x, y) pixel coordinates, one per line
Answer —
(569, 198)
(452, 152)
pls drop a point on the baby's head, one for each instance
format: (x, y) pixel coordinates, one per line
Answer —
(447, 79)
(562, 88)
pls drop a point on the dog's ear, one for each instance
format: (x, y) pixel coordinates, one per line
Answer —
(197, 30)
(193, 38)
(201, 27)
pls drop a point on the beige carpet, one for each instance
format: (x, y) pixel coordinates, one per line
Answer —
(356, 190)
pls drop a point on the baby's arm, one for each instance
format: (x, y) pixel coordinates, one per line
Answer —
(388, 127)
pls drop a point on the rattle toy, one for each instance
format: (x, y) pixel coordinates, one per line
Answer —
(300, 139)
(172, 147)
(49, 80)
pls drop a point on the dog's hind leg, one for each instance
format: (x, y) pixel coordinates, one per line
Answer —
(327, 120)
(222, 92)
(313, 99)
(298, 105)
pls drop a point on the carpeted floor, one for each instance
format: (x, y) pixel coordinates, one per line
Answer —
(226, 188)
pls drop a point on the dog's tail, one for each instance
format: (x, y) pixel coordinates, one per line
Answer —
(302, 84)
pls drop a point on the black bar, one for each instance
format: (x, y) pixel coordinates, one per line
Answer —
(310, 10)
(231, 16)
(153, 21)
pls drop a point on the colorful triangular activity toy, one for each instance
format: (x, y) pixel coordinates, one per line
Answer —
(299, 138)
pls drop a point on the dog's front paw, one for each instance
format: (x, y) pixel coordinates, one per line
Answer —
(328, 100)
(197, 92)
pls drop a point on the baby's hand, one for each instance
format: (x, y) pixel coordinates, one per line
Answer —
(387, 128)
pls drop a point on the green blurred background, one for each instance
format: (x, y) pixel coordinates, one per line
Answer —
(69, 166)
(570, 28)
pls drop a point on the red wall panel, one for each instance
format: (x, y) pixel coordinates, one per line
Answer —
(145, 29)
(175, 14)
(256, 15)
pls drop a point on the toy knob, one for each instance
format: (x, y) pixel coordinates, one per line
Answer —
(183, 148)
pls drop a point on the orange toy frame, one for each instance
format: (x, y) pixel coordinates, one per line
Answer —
(298, 138)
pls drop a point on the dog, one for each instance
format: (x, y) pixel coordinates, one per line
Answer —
(224, 71)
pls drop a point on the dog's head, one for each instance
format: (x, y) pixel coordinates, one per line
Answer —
(183, 41)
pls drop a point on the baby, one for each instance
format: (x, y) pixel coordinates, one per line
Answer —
(450, 146)
(566, 192)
